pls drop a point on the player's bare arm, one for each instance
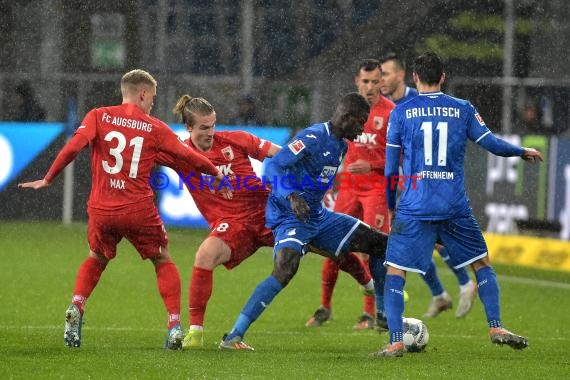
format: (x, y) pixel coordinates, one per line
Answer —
(273, 149)
(38, 184)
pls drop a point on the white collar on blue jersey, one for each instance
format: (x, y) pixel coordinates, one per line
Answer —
(430, 93)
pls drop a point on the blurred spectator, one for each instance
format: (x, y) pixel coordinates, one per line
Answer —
(531, 120)
(247, 113)
(27, 107)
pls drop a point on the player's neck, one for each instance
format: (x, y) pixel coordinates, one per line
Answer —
(422, 87)
(399, 93)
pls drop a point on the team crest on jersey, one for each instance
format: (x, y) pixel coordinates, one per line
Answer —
(296, 146)
(479, 119)
(378, 122)
(228, 153)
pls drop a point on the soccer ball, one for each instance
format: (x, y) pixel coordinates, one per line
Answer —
(416, 334)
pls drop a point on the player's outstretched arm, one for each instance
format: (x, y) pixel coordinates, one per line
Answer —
(64, 157)
(532, 155)
(38, 184)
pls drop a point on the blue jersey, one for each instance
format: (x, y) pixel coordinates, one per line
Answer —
(409, 93)
(431, 130)
(307, 165)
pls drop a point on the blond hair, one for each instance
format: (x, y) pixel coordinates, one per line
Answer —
(131, 81)
(188, 106)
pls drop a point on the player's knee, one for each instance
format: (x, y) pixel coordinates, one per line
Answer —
(370, 241)
(207, 260)
(286, 265)
(481, 263)
(99, 257)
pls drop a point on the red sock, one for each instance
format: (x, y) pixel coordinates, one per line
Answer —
(199, 294)
(356, 267)
(88, 276)
(169, 288)
(369, 305)
(329, 275)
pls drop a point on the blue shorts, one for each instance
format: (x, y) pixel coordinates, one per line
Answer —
(331, 232)
(410, 244)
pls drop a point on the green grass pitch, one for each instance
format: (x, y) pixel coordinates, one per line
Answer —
(125, 321)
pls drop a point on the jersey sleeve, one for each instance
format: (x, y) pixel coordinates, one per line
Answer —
(480, 134)
(476, 127)
(298, 148)
(77, 143)
(88, 127)
(393, 149)
(255, 147)
(173, 149)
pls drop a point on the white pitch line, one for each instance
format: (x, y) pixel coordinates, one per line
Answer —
(532, 281)
(520, 280)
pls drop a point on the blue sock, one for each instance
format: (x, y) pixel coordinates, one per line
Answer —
(256, 304)
(394, 298)
(378, 271)
(489, 295)
(461, 273)
(432, 280)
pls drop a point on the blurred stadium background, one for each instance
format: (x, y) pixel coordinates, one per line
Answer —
(295, 58)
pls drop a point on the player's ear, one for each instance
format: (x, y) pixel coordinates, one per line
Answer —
(415, 78)
(442, 79)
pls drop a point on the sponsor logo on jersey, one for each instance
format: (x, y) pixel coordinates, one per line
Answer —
(327, 174)
(479, 119)
(366, 138)
(228, 153)
(326, 153)
(225, 169)
(378, 122)
(311, 136)
(296, 146)
(292, 232)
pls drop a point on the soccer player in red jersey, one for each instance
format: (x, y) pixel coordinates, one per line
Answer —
(238, 225)
(361, 187)
(125, 142)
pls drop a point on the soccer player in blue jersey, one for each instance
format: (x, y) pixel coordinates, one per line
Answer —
(431, 131)
(393, 79)
(300, 175)
(394, 87)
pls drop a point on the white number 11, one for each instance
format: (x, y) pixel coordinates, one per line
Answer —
(428, 143)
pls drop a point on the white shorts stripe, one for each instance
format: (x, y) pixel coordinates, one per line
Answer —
(290, 239)
(404, 268)
(470, 261)
(345, 238)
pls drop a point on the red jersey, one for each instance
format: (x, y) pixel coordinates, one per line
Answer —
(230, 153)
(370, 146)
(125, 143)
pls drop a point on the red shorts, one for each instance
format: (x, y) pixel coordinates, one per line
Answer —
(144, 229)
(243, 238)
(370, 208)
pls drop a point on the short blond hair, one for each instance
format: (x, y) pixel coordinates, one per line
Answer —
(131, 81)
